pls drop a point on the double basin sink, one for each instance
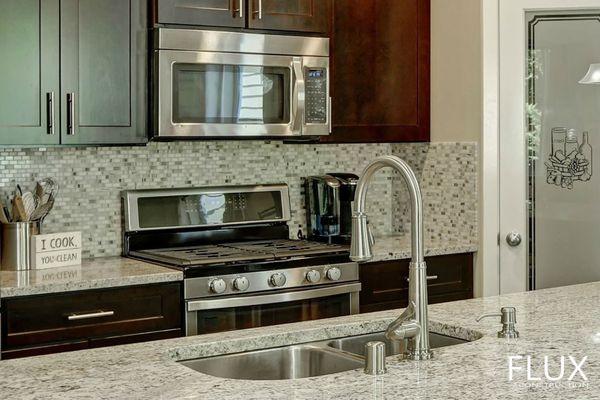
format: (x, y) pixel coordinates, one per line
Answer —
(303, 360)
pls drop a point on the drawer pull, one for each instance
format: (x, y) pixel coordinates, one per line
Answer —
(429, 278)
(99, 314)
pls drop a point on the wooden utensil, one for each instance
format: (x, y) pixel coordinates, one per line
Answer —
(4, 219)
(19, 213)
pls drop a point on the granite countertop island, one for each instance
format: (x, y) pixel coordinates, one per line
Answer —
(96, 273)
(554, 322)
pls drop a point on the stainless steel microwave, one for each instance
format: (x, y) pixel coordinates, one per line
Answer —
(230, 84)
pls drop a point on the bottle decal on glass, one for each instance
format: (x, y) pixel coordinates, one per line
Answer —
(569, 161)
(585, 151)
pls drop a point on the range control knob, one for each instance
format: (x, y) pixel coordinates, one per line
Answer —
(313, 276)
(277, 279)
(217, 286)
(241, 283)
(334, 274)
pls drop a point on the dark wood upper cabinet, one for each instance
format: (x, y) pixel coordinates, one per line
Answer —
(93, 52)
(380, 60)
(29, 72)
(308, 16)
(290, 15)
(229, 13)
(103, 71)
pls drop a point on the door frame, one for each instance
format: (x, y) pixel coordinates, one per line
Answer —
(494, 282)
(490, 155)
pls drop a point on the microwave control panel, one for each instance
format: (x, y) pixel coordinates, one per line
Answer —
(316, 95)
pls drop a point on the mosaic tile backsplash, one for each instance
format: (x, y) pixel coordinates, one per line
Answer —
(92, 178)
(448, 176)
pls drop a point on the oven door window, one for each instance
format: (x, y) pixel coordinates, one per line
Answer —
(227, 319)
(230, 94)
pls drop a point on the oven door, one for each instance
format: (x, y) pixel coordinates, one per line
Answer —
(253, 311)
(211, 94)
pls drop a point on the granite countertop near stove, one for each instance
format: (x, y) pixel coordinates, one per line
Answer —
(96, 273)
(555, 322)
(397, 247)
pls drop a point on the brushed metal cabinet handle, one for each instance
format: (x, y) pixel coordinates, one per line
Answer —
(70, 113)
(259, 11)
(330, 114)
(241, 9)
(50, 113)
(429, 278)
(98, 314)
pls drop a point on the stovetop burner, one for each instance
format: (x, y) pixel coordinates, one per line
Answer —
(231, 253)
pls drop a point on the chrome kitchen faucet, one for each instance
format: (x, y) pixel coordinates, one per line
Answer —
(412, 324)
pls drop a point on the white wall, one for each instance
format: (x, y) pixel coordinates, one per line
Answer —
(456, 83)
(456, 70)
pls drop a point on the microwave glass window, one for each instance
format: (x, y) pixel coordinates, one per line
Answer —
(230, 94)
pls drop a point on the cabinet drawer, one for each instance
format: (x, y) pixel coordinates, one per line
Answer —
(385, 284)
(91, 314)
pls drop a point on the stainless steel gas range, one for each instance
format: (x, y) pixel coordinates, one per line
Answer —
(240, 268)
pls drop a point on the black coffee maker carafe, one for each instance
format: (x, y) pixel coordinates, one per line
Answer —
(329, 206)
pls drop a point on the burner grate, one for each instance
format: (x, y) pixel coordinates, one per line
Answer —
(289, 248)
(240, 252)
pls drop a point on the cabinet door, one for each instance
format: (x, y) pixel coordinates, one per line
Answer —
(291, 15)
(67, 321)
(380, 64)
(385, 284)
(29, 71)
(230, 13)
(103, 71)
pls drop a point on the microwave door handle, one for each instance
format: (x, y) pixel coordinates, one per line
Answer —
(299, 96)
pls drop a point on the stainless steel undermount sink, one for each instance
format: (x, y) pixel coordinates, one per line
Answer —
(301, 361)
(304, 360)
(356, 344)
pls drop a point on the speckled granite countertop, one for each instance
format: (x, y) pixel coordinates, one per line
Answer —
(554, 322)
(119, 271)
(92, 274)
(398, 247)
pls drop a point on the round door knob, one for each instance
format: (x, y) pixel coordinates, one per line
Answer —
(514, 239)
(313, 276)
(241, 283)
(217, 285)
(334, 274)
(277, 279)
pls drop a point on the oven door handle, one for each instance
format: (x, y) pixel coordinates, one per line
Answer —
(299, 96)
(243, 301)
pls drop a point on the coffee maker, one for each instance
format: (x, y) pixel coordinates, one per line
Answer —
(329, 206)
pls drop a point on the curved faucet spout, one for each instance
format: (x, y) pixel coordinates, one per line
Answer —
(412, 324)
(414, 190)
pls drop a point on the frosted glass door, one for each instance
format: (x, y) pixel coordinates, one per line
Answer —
(563, 143)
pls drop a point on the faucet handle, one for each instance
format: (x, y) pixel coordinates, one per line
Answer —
(370, 233)
(508, 318)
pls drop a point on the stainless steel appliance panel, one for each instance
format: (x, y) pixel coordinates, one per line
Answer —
(253, 311)
(234, 42)
(167, 127)
(134, 219)
(262, 281)
(226, 84)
